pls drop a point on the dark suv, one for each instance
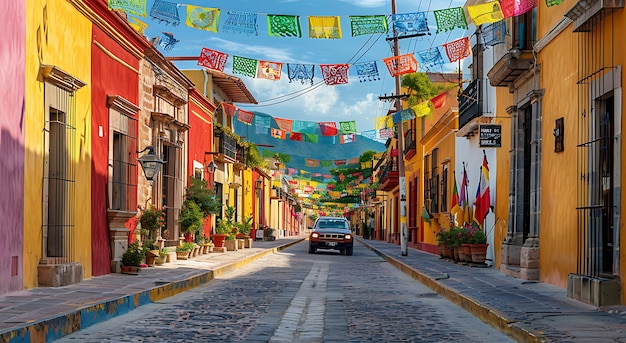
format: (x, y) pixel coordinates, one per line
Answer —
(331, 233)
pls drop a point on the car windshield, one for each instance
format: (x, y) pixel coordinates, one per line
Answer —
(332, 224)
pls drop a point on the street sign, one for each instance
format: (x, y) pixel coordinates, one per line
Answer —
(490, 135)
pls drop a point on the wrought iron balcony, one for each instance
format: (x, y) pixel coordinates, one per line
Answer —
(409, 143)
(389, 175)
(470, 102)
(226, 145)
(240, 159)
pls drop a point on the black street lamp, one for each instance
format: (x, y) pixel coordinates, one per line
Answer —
(211, 167)
(150, 163)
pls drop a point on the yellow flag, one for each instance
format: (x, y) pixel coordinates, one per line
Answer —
(324, 27)
(203, 18)
(384, 122)
(490, 12)
(422, 109)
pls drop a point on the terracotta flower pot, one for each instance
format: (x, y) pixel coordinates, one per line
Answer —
(218, 240)
(479, 252)
(467, 252)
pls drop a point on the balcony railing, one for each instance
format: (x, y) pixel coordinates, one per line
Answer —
(226, 144)
(388, 174)
(409, 142)
(241, 155)
(470, 102)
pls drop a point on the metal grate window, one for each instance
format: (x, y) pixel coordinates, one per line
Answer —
(59, 174)
(122, 162)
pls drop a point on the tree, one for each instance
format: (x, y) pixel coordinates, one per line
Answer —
(205, 198)
(420, 87)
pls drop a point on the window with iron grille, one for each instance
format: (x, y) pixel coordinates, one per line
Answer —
(413, 203)
(427, 177)
(59, 173)
(122, 157)
(444, 189)
(434, 187)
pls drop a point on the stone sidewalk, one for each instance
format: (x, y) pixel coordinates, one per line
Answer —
(528, 311)
(44, 314)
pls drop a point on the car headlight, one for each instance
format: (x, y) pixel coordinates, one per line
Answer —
(315, 235)
(348, 236)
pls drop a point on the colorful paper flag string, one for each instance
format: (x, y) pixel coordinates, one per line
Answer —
(245, 66)
(405, 24)
(328, 128)
(301, 72)
(335, 74)
(229, 109)
(136, 7)
(430, 58)
(347, 127)
(400, 65)
(303, 126)
(203, 18)
(367, 71)
(242, 22)
(138, 25)
(245, 116)
(458, 49)
(328, 27)
(165, 11)
(368, 24)
(284, 124)
(212, 59)
(511, 8)
(283, 26)
(270, 70)
(485, 13)
(167, 42)
(261, 125)
(450, 18)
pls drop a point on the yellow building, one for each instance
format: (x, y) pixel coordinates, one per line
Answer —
(560, 204)
(57, 224)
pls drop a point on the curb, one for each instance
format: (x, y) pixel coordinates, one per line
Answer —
(54, 328)
(485, 313)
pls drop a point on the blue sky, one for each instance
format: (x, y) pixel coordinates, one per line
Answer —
(353, 101)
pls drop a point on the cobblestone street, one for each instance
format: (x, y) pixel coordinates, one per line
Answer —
(296, 297)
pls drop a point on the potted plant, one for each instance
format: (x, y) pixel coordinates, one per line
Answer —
(183, 251)
(132, 258)
(443, 242)
(152, 221)
(190, 219)
(225, 227)
(244, 228)
(268, 234)
(478, 245)
(162, 257)
(152, 252)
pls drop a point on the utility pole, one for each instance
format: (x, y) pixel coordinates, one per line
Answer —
(400, 157)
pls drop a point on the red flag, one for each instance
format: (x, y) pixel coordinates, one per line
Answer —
(284, 124)
(212, 59)
(295, 136)
(400, 65)
(440, 100)
(483, 195)
(328, 128)
(245, 116)
(229, 109)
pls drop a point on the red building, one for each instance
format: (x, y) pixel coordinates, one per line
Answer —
(115, 57)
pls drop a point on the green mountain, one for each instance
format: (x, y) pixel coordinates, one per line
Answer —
(327, 148)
